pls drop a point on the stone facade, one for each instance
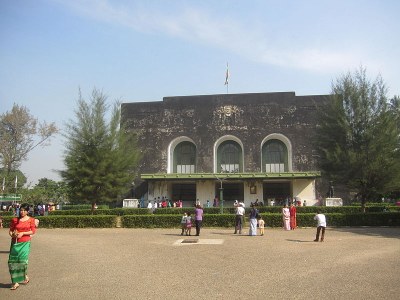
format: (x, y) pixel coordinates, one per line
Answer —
(206, 121)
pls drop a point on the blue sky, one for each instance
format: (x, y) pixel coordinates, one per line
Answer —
(146, 50)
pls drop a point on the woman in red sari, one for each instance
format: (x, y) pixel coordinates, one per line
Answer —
(21, 229)
(293, 222)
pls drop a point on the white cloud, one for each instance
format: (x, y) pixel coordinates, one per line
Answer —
(200, 26)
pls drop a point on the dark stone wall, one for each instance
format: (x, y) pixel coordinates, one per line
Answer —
(206, 118)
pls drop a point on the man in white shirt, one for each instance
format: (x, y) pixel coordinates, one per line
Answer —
(239, 218)
(321, 219)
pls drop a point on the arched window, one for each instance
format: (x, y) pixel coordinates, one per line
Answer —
(275, 157)
(185, 158)
(229, 157)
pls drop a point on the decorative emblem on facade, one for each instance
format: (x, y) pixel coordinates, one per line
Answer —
(228, 115)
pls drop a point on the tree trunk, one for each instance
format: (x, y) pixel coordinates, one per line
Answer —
(363, 202)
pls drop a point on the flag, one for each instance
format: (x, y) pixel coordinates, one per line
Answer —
(16, 181)
(4, 183)
(227, 74)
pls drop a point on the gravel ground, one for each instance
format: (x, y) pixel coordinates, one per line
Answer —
(120, 263)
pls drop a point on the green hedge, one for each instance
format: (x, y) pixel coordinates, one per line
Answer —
(329, 209)
(72, 221)
(180, 211)
(6, 213)
(210, 220)
(168, 221)
(226, 210)
(271, 220)
(82, 206)
(337, 219)
(278, 209)
(114, 211)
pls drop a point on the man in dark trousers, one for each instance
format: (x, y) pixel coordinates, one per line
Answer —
(321, 219)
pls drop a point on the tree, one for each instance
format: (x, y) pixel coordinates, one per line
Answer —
(20, 133)
(11, 185)
(395, 109)
(358, 137)
(100, 158)
(45, 191)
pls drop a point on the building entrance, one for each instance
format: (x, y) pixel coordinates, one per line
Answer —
(276, 191)
(232, 192)
(185, 192)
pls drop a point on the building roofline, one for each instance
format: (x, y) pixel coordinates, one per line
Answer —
(227, 176)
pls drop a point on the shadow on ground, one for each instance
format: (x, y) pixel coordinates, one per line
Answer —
(388, 232)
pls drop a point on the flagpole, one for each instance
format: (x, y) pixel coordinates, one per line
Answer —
(16, 182)
(227, 78)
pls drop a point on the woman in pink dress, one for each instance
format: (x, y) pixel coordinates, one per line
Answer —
(286, 217)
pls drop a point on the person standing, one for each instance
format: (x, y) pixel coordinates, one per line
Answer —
(253, 221)
(188, 225)
(215, 203)
(293, 217)
(239, 218)
(286, 217)
(150, 207)
(21, 229)
(321, 225)
(183, 223)
(261, 225)
(198, 218)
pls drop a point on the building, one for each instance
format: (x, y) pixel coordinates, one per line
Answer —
(247, 147)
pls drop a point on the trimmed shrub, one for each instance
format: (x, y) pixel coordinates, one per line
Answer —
(219, 220)
(6, 213)
(328, 209)
(173, 211)
(174, 221)
(77, 222)
(181, 211)
(7, 221)
(114, 211)
(151, 221)
(210, 220)
(337, 219)
(83, 206)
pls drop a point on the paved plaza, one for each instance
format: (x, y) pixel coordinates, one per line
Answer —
(121, 263)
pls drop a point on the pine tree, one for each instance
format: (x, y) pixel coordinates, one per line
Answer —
(358, 137)
(100, 157)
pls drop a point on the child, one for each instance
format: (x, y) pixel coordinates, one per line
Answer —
(183, 223)
(261, 225)
(188, 224)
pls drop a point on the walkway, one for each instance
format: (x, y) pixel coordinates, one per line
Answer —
(353, 263)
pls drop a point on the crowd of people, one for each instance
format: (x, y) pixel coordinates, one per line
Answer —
(255, 219)
(164, 202)
(289, 220)
(33, 210)
(256, 222)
